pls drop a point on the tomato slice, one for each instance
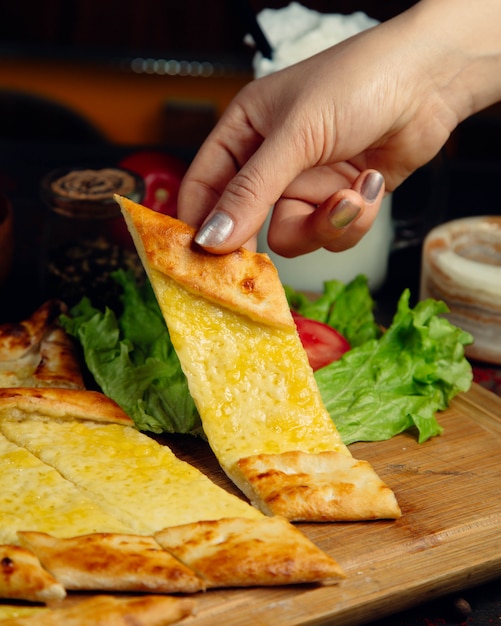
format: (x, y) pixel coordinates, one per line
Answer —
(323, 344)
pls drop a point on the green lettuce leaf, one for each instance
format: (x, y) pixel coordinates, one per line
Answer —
(388, 385)
(349, 308)
(132, 359)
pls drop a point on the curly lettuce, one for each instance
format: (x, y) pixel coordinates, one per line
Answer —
(389, 382)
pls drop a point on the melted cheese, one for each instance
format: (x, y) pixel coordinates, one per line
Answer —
(125, 473)
(35, 496)
(252, 384)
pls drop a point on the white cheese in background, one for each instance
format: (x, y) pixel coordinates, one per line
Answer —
(296, 32)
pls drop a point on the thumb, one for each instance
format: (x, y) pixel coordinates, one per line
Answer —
(247, 199)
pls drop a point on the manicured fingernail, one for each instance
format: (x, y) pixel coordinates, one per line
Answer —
(343, 213)
(371, 186)
(216, 230)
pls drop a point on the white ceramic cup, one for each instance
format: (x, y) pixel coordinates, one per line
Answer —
(308, 272)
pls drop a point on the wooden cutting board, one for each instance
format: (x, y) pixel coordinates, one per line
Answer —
(448, 539)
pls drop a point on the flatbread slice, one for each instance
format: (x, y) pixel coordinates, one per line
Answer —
(239, 552)
(111, 562)
(249, 376)
(36, 352)
(338, 486)
(65, 404)
(242, 281)
(22, 577)
(35, 496)
(148, 610)
(129, 475)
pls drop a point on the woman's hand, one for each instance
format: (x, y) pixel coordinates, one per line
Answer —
(319, 140)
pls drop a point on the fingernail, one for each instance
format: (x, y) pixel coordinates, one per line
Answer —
(215, 231)
(371, 186)
(343, 213)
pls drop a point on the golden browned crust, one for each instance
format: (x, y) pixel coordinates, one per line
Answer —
(16, 339)
(38, 353)
(243, 281)
(54, 403)
(22, 577)
(113, 611)
(111, 562)
(238, 552)
(59, 365)
(328, 486)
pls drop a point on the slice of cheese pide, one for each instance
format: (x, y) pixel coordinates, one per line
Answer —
(36, 352)
(95, 488)
(111, 562)
(35, 496)
(144, 610)
(248, 373)
(240, 552)
(22, 577)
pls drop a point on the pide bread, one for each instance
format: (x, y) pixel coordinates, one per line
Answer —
(83, 495)
(102, 610)
(239, 552)
(33, 495)
(339, 487)
(129, 476)
(111, 562)
(70, 404)
(243, 281)
(250, 378)
(102, 490)
(37, 353)
(22, 577)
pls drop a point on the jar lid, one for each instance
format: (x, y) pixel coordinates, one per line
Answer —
(85, 193)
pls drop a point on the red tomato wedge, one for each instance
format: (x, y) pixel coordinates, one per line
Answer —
(162, 174)
(323, 344)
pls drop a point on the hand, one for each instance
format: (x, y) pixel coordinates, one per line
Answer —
(313, 140)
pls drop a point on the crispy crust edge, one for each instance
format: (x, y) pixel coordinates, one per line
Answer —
(243, 281)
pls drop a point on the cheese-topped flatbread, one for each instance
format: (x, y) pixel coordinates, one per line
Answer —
(111, 562)
(103, 610)
(242, 281)
(239, 552)
(106, 480)
(250, 378)
(38, 353)
(129, 475)
(65, 404)
(339, 487)
(22, 577)
(34, 496)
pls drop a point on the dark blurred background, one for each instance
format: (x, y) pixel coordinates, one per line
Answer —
(102, 76)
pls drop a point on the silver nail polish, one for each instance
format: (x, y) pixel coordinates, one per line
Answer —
(371, 186)
(343, 213)
(215, 231)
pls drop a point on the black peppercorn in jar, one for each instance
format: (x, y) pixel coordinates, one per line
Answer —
(78, 256)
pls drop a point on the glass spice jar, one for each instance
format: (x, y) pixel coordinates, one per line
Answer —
(77, 254)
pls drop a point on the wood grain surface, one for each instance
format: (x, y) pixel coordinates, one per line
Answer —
(448, 539)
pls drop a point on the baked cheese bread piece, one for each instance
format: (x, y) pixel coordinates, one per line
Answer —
(35, 496)
(145, 610)
(111, 562)
(240, 552)
(139, 483)
(110, 483)
(38, 353)
(22, 577)
(61, 404)
(248, 373)
(127, 474)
